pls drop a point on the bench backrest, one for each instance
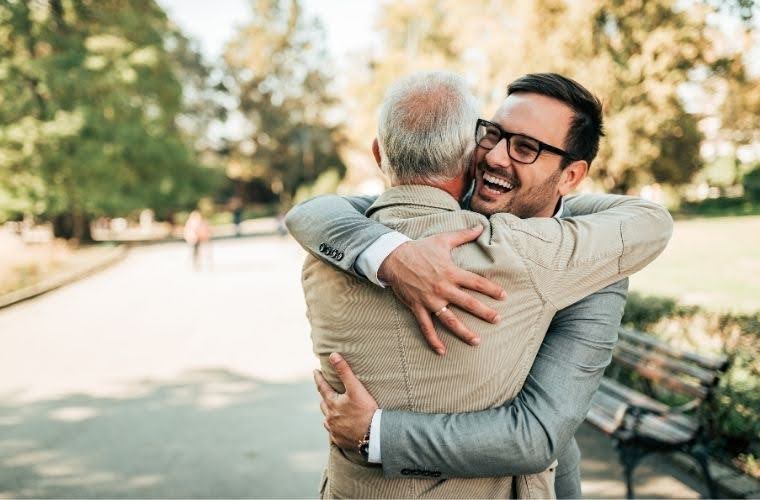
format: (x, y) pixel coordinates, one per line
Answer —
(675, 369)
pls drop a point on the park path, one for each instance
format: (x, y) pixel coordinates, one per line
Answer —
(152, 380)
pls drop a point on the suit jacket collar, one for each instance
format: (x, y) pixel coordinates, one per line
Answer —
(562, 210)
(415, 195)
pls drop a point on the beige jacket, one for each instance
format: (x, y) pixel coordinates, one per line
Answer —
(544, 264)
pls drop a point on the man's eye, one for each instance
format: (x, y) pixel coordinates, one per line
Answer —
(525, 146)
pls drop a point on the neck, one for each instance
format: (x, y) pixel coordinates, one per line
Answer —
(549, 210)
(456, 187)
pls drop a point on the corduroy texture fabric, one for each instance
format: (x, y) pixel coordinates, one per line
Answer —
(543, 264)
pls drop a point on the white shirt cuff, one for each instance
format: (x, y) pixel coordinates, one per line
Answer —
(370, 260)
(374, 438)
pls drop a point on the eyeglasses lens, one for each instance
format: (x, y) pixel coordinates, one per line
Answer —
(523, 149)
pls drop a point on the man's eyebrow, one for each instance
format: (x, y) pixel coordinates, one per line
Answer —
(519, 132)
(495, 121)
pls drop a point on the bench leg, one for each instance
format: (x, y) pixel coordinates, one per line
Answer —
(629, 480)
(629, 458)
(700, 455)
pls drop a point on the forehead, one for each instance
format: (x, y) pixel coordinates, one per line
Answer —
(539, 116)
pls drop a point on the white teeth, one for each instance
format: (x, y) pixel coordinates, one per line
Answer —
(495, 180)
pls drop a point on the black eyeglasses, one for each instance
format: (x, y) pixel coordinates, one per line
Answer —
(521, 148)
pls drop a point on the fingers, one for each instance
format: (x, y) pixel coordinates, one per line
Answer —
(451, 322)
(456, 238)
(428, 330)
(323, 387)
(347, 377)
(323, 407)
(472, 281)
(470, 304)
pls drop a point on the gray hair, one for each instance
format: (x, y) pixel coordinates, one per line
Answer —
(426, 128)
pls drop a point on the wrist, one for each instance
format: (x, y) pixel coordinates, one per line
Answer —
(363, 443)
(369, 262)
(384, 272)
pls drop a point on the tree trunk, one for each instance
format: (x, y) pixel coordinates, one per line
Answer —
(72, 226)
(82, 228)
(63, 226)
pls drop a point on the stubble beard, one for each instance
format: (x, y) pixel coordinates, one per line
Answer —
(526, 202)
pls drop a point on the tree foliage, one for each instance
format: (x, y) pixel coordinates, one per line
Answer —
(740, 110)
(89, 96)
(279, 71)
(635, 54)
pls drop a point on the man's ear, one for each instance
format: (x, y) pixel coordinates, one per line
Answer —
(572, 175)
(376, 151)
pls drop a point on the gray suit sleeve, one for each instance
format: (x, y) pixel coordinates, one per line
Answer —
(526, 435)
(335, 222)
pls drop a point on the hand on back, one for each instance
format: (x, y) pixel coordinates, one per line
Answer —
(423, 276)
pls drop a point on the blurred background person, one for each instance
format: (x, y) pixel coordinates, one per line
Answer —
(236, 205)
(197, 234)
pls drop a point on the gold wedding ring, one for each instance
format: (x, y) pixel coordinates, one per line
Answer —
(441, 311)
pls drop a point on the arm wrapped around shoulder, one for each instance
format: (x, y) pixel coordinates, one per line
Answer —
(574, 257)
(334, 222)
(644, 236)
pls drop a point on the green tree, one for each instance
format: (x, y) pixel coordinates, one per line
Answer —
(648, 49)
(89, 96)
(280, 72)
(636, 55)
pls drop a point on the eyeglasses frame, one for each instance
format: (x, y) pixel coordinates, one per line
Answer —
(503, 134)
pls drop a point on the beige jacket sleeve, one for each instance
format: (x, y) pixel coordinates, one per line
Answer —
(569, 259)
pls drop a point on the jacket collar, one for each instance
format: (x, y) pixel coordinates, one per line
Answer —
(562, 210)
(416, 195)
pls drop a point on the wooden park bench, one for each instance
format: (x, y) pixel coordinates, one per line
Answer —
(639, 424)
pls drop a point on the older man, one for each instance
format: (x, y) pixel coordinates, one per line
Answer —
(544, 264)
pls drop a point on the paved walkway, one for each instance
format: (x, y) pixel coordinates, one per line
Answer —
(151, 380)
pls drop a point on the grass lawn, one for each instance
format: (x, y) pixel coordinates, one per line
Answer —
(711, 262)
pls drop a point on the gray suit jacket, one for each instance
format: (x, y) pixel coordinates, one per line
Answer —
(522, 437)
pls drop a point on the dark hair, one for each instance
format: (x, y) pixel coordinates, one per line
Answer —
(586, 129)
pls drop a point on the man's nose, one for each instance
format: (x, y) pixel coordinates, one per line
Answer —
(498, 156)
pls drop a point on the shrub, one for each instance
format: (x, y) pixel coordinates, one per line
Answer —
(721, 207)
(751, 183)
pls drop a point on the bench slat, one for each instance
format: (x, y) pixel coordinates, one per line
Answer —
(708, 362)
(612, 398)
(601, 420)
(626, 394)
(607, 401)
(664, 429)
(705, 377)
(661, 377)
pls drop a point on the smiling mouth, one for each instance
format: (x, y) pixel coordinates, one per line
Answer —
(496, 185)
